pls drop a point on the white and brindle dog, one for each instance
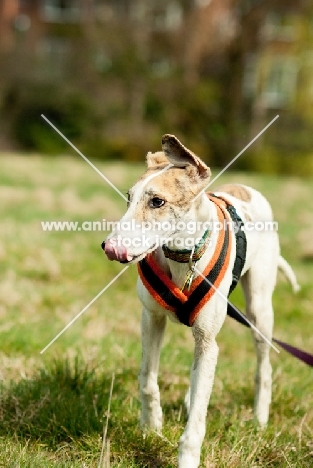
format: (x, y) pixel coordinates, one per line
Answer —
(171, 190)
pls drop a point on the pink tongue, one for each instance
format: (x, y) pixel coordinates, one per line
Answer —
(116, 251)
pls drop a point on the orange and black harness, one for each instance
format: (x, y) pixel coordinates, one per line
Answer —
(186, 304)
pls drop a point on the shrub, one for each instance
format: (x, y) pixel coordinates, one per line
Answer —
(69, 112)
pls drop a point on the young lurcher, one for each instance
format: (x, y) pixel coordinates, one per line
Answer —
(168, 196)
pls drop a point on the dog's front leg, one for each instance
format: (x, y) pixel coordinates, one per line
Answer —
(152, 331)
(202, 377)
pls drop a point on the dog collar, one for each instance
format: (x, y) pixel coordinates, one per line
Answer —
(186, 255)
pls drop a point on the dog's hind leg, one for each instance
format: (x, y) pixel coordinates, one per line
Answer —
(258, 285)
(152, 332)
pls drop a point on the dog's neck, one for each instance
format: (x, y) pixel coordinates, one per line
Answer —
(177, 271)
(185, 239)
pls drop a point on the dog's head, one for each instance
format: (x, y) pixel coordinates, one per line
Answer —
(165, 194)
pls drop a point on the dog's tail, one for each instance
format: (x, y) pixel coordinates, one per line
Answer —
(284, 266)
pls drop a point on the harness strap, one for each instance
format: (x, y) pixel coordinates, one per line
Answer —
(241, 241)
(187, 305)
(215, 271)
(159, 285)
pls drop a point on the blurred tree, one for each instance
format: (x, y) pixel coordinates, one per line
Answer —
(270, 73)
(212, 71)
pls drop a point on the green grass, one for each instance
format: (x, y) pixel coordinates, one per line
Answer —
(53, 406)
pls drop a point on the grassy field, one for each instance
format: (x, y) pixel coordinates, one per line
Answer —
(53, 407)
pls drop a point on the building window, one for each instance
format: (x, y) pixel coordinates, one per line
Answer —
(280, 85)
(281, 27)
(53, 53)
(61, 11)
(249, 82)
(168, 16)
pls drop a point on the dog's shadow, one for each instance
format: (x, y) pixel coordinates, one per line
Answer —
(66, 405)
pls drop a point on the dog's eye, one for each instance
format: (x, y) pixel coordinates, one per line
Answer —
(156, 202)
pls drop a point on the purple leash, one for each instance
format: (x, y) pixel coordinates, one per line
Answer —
(307, 358)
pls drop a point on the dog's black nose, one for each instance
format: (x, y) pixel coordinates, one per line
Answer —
(103, 245)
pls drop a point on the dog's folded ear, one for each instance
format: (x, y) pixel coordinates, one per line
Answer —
(156, 159)
(181, 156)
